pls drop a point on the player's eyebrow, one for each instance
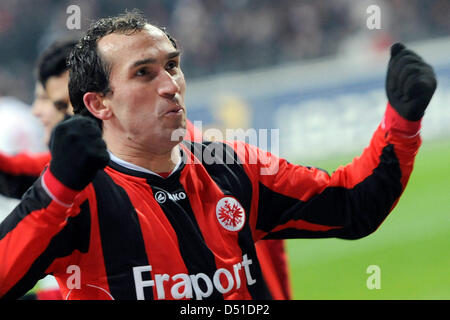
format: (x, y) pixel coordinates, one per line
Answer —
(170, 55)
(173, 54)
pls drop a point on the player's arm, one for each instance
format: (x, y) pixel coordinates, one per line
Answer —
(43, 226)
(38, 232)
(355, 199)
(18, 172)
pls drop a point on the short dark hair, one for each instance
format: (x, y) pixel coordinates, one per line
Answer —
(53, 61)
(88, 71)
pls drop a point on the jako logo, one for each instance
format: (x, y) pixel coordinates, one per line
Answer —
(230, 214)
(162, 196)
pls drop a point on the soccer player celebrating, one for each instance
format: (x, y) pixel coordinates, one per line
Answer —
(125, 211)
(52, 105)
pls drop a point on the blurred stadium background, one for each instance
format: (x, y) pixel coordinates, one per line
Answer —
(313, 70)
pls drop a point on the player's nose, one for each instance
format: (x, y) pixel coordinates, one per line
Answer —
(168, 86)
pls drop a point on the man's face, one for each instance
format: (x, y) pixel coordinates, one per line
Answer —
(44, 109)
(147, 88)
(57, 88)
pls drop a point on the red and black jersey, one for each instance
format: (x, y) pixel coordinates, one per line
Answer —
(18, 172)
(271, 253)
(135, 235)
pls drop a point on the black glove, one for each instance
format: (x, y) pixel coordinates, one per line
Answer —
(410, 83)
(78, 152)
(66, 117)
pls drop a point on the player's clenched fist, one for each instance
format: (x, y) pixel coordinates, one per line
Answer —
(78, 152)
(410, 83)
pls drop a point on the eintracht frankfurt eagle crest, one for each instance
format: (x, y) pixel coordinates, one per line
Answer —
(230, 214)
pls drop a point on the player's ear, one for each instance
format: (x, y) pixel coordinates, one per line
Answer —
(97, 105)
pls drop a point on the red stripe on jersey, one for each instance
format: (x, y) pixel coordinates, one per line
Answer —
(40, 222)
(298, 224)
(279, 259)
(273, 265)
(56, 190)
(305, 225)
(203, 199)
(393, 121)
(406, 149)
(94, 281)
(156, 230)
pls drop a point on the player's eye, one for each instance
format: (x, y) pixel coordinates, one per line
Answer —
(171, 64)
(145, 73)
(141, 72)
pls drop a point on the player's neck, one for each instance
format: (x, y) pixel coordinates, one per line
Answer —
(152, 154)
(157, 163)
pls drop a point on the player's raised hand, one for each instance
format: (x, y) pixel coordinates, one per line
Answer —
(410, 83)
(78, 152)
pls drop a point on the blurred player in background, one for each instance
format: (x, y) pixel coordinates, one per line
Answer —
(51, 105)
(19, 131)
(54, 77)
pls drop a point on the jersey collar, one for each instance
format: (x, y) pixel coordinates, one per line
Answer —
(135, 170)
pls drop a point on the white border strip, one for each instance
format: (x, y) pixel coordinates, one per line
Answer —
(51, 195)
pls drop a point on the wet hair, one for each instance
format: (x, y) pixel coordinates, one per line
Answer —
(89, 72)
